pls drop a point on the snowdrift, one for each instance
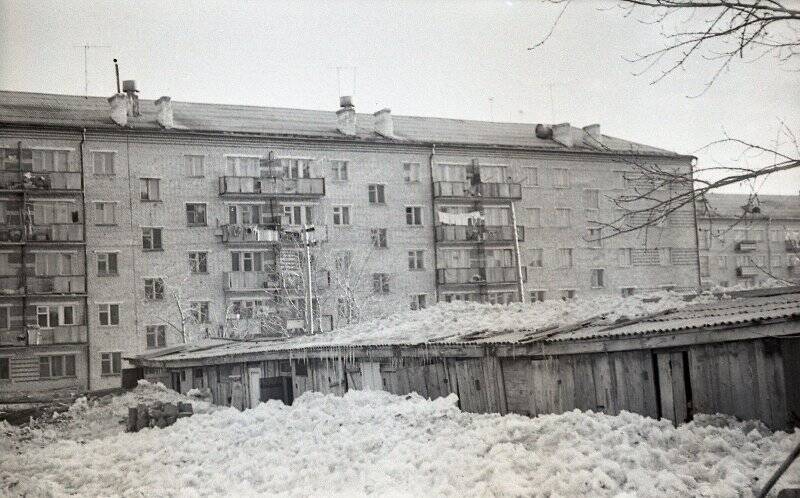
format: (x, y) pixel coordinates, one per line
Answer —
(375, 443)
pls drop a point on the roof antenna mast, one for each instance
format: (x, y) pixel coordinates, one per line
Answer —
(86, 48)
(116, 71)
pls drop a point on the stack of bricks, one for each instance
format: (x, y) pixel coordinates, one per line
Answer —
(157, 414)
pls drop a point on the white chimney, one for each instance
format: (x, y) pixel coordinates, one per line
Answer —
(562, 133)
(383, 123)
(593, 130)
(129, 88)
(165, 116)
(346, 116)
(119, 108)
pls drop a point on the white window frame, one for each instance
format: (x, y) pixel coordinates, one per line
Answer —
(104, 153)
(148, 181)
(205, 214)
(411, 172)
(594, 242)
(562, 291)
(379, 237)
(601, 280)
(416, 259)
(418, 222)
(340, 170)
(197, 312)
(154, 281)
(5, 315)
(107, 311)
(537, 223)
(108, 358)
(596, 192)
(194, 262)
(415, 301)
(628, 257)
(531, 259)
(566, 178)
(113, 211)
(152, 239)
(537, 291)
(340, 211)
(190, 165)
(376, 194)
(571, 258)
(107, 255)
(526, 172)
(155, 327)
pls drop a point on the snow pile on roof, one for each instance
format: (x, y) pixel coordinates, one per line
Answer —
(377, 443)
(459, 318)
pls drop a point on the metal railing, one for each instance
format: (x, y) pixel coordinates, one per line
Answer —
(271, 186)
(56, 232)
(249, 233)
(248, 281)
(482, 190)
(489, 275)
(55, 284)
(464, 233)
(40, 180)
(62, 334)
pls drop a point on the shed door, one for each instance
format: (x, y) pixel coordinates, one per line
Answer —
(371, 376)
(673, 382)
(255, 386)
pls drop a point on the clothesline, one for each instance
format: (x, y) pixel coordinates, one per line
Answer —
(460, 218)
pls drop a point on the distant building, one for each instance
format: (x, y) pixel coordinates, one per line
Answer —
(110, 208)
(745, 240)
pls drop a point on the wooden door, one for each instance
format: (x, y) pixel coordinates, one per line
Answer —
(371, 376)
(672, 382)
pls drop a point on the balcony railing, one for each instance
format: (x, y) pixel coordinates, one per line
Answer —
(13, 337)
(490, 275)
(463, 233)
(10, 285)
(480, 190)
(271, 186)
(249, 233)
(248, 281)
(747, 271)
(12, 234)
(746, 246)
(56, 284)
(792, 245)
(40, 180)
(57, 232)
(63, 334)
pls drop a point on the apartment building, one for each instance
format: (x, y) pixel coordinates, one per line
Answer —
(744, 239)
(192, 220)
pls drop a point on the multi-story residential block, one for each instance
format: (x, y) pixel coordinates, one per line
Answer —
(168, 220)
(744, 240)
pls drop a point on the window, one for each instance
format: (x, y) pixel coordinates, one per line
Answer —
(68, 315)
(413, 215)
(376, 194)
(563, 217)
(567, 294)
(151, 239)
(296, 168)
(110, 363)
(339, 170)
(418, 301)
(342, 261)
(624, 257)
(378, 236)
(537, 296)
(5, 317)
(627, 291)
(565, 258)
(249, 260)
(5, 368)
(560, 178)
(380, 283)
(57, 366)
(106, 264)
(722, 261)
(49, 264)
(594, 237)
(530, 177)
(591, 198)
(416, 260)
(149, 188)
(105, 213)
(199, 311)
(341, 215)
(242, 166)
(108, 314)
(196, 214)
(298, 215)
(194, 164)
(598, 278)
(534, 217)
(775, 235)
(154, 289)
(346, 309)
(156, 336)
(536, 258)
(48, 317)
(103, 163)
(411, 172)
(50, 160)
(198, 262)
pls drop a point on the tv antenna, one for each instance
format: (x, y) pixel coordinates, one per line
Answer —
(491, 108)
(86, 48)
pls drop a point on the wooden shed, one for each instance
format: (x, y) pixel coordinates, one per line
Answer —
(738, 356)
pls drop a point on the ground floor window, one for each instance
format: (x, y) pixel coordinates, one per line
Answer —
(5, 368)
(156, 336)
(56, 366)
(418, 301)
(110, 363)
(537, 296)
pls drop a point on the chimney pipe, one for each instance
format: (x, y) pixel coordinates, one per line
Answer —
(119, 108)
(346, 116)
(383, 123)
(562, 133)
(165, 115)
(129, 87)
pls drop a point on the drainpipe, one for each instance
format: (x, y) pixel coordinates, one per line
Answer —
(85, 265)
(521, 285)
(696, 235)
(433, 224)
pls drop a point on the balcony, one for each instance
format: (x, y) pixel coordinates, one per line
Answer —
(463, 233)
(746, 246)
(57, 232)
(12, 337)
(12, 234)
(490, 275)
(232, 234)
(271, 186)
(56, 284)
(40, 181)
(747, 271)
(792, 245)
(64, 334)
(10, 285)
(239, 281)
(463, 190)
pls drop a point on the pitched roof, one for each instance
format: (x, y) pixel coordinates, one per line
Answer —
(728, 313)
(38, 109)
(733, 205)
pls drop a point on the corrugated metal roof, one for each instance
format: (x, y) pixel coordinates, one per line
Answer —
(722, 315)
(36, 109)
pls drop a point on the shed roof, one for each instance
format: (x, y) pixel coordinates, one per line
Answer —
(72, 111)
(726, 314)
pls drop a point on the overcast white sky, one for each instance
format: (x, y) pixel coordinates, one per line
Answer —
(417, 57)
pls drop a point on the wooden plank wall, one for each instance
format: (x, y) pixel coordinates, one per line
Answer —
(790, 352)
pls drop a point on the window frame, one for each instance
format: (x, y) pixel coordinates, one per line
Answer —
(113, 211)
(109, 314)
(147, 181)
(200, 310)
(112, 359)
(189, 168)
(191, 210)
(566, 178)
(411, 172)
(154, 294)
(107, 255)
(410, 212)
(5, 315)
(418, 301)
(340, 169)
(160, 331)
(380, 283)
(198, 262)
(104, 153)
(340, 212)
(154, 230)
(416, 259)
(600, 273)
(379, 237)
(376, 194)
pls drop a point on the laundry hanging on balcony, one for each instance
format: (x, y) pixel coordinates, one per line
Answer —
(471, 218)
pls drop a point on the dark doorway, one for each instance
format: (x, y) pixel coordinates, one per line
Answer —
(176, 381)
(276, 388)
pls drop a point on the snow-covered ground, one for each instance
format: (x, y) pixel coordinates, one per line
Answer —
(377, 443)
(443, 319)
